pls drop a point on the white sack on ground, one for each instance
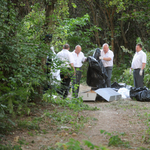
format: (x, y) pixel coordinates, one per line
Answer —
(124, 92)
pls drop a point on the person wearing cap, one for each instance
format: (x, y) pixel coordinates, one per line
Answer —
(79, 58)
(66, 69)
(138, 65)
(107, 59)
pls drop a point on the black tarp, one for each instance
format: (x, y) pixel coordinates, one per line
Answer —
(96, 74)
(116, 86)
(140, 94)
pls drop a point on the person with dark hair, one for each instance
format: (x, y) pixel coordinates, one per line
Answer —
(107, 58)
(67, 67)
(138, 64)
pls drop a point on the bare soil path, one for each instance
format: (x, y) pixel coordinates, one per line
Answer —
(127, 117)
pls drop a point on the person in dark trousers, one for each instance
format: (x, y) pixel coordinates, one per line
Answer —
(138, 65)
(67, 67)
(79, 58)
(107, 58)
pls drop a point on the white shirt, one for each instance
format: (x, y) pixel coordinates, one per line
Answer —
(66, 57)
(138, 59)
(109, 54)
(78, 59)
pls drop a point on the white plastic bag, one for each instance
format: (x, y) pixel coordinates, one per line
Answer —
(124, 92)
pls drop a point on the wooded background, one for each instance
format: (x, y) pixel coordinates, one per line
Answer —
(90, 23)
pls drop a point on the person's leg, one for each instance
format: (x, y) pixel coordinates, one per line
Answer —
(78, 78)
(74, 91)
(135, 78)
(139, 79)
(107, 78)
(66, 86)
(60, 90)
(109, 73)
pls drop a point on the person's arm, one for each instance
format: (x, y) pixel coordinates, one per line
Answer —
(72, 65)
(141, 71)
(71, 60)
(107, 58)
(84, 58)
(143, 66)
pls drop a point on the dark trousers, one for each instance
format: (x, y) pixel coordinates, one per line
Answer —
(65, 84)
(138, 80)
(76, 81)
(109, 73)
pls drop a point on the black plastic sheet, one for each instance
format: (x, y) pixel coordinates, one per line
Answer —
(96, 74)
(115, 86)
(140, 94)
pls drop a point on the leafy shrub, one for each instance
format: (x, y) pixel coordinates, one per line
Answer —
(6, 124)
(10, 147)
(115, 140)
(127, 78)
(117, 72)
(147, 71)
(76, 145)
(30, 125)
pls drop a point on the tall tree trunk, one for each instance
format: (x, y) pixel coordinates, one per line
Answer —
(123, 33)
(49, 10)
(96, 34)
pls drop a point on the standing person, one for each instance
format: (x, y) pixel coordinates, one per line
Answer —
(107, 58)
(138, 64)
(79, 58)
(66, 68)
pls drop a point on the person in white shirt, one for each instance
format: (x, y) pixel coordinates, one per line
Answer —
(138, 64)
(79, 58)
(107, 59)
(66, 68)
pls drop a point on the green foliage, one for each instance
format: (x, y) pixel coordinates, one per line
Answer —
(72, 144)
(74, 120)
(21, 68)
(142, 148)
(30, 125)
(10, 147)
(117, 73)
(146, 136)
(76, 145)
(74, 103)
(22, 142)
(127, 78)
(147, 70)
(115, 140)
(6, 124)
(71, 31)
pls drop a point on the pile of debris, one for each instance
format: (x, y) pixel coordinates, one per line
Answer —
(96, 79)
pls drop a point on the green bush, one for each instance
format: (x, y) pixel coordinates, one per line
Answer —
(147, 71)
(126, 77)
(117, 72)
(21, 69)
(10, 147)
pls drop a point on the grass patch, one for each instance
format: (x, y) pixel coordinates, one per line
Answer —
(73, 119)
(115, 140)
(75, 104)
(30, 125)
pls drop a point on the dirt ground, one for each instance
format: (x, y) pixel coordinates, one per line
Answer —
(123, 116)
